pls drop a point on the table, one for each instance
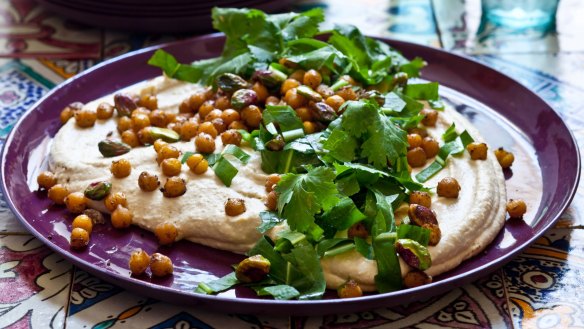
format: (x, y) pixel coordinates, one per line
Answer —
(540, 288)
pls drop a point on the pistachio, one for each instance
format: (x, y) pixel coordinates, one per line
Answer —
(413, 253)
(109, 148)
(349, 289)
(425, 217)
(276, 144)
(242, 98)
(124, 104)
(322, 112)
(270, 78)
(229, 82)
(416, 278)
(373, 95)
(310, 94)
(253, 269)
(167, 135)
(97, 190)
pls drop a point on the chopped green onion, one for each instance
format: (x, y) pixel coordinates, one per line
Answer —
(339, 250)
(339, 84)
(450, 134)
(224, 283)
(291, 135)
(237, 153)
(271, 128)
(225, 171)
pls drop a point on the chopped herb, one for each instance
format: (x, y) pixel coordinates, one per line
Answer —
(364, 248)
(269, 221)
(425, 91)
(453, 147)
(225, 171)
(236, 152)
(279, 292)
(219, 285)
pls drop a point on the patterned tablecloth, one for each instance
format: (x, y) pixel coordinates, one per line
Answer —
(540, 288)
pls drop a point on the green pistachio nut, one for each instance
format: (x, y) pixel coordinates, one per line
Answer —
(109, 148)
(167, 135)
(413, 253)
(253, 269)
(310, 94)
(323, 112)
(276, 144)
(124, 104)
(242, 98)
(270, 78)
(98, 190)
(229, 82)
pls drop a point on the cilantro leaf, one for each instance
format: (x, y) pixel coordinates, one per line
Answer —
(425, 91)
(268, 221)
(279, 292)
(172, 68)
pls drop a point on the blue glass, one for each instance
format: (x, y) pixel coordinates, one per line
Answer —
(521, 14)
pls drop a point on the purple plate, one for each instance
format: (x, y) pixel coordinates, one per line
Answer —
(506, 112)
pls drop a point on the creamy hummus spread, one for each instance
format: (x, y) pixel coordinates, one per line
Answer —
(468, 223)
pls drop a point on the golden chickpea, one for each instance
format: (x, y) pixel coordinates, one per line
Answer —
(430, 117)
(66, 114)
(304, 113)
(141, 111)
(113, 200)
(184, 107)
(448, 187)
(79, 238)
(160, 265)
(206, 107)
(124, 123)
(516, 208)
(145, 136)
(219, 125)
(214, 114)
(335, 101)
(158, 144)
(251, 116)
(46, 180)
(197, 164)
(234, 206)
(272, 201)
(312, 78)
(347, 93)
(414, 140)
(121, 168)
(416, 157)
(272, 100)
(188, 130)
(148, 182)
(430, 146)
(504, 158)
(166, 233)
(223, 102)
(209, 129)
(297, 75)
(421, 198)
(477, 151)
(358, 230)
(420, 131)
(57, 193)
(158, 118)
(309, 127)
(231, 136)
(85, 118)
(174, 187)
(148, 101)
(294, 99)
(416, 278)
(121, 217)
(288, 84)
(261, 91)
(139, 262)
(196, 100)
(229, 116)
(140, 121)
(104, 111)
(83, 221)
(271, 182)
(75, 202)
(238, 125)
(205, 143)
(325, 91)
(349, 289)
(171, 167)
(167, 152)
(131, 138)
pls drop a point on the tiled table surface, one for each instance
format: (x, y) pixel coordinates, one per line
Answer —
(539, 289)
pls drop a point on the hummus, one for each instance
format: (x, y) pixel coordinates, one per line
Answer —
(468, 224)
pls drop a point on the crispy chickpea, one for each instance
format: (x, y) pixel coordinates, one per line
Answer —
(171, 167)
(184, 107)
(46, 180)
(251, 116)
(140, 110)
(347, 93)
(430, 146)
(166, 233)
(121, 217)
(196, 100)
(325, 91)
(358, 230)
(421, 198)
(131, 138)
(160, 265)
(416, 278)
(83, 221)
(219, 125)
(145, 136)
(158, 144)
(197, 164)
(57, 193)
(416, 157)
(272, 100)
(231, 136)
(237, 125)
(174, 187)
(223, 102)
(85, 118)
(448, 187)
(304, 113)
(104, 111)
(420, 131)
(430, 117)
(113, 200)
(504, 158)
(205, 143)
(124, 123)
(229, 116)
(158, 118)
(294, 99)
(139, 262)
(271, 182)
(79, 238)
(66, 114)
(167, 152)
(148, 101)
(206, 108)
(477, 151)
(272, 201)
(297, 75)
(214, 114)
(312, 78)
(234, 206)
(121, 168)
(209, 129)
(516, 208)
(309, 127)
(349, 289)
(188, 130)
(148, 182)
(261, 91)
(288, 84)
(140, 121)
(414, 140)
(335, 101)
(75, 202)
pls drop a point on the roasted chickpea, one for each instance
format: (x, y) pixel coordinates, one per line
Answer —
(309, 127)
(79, 238)
(104, 111)
(148, 182)
(158, 144)
(124, 123)
(171, 167)
(335, 101)
(504, 158)
(358, 230)
(349, 289)
(121, 217)
(261, 91)
(516, 208)
(430, 146)
(420, 131)
(196, 100)
(271, 182)
(325, 91)
(145, 136)
(85, 118)
(251, 116)
(288, 84)
(148, 101)
(83, 221)
(160, 265)
(184, 107)
(219, 125)
(234, 206)
(347, 93)
(209, 129)
(197, 164)
(421, 198)
(231, 136)
(57, 193)
(174, 187)
(113, 200)
(223, 102)
(272, 201)
(142, 111)
(46, 180)
(140, 121)
(416, 278)
(158, 118)
(214, 114)
(139, 262)
(414, 140)
(205, 143)
(477, 151)
(448, 187)
(229, 116)
(416, 157)
(237, 125)
(312, 78)
(166, 233)
(167, 152)
(129, 137)
(67, 113)
(206, 108)
(75, 202)
(294, 99)
(121, 168)
(188, 130)
(430, 117)
(272, 100)
(297, 75)
(304, 113)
